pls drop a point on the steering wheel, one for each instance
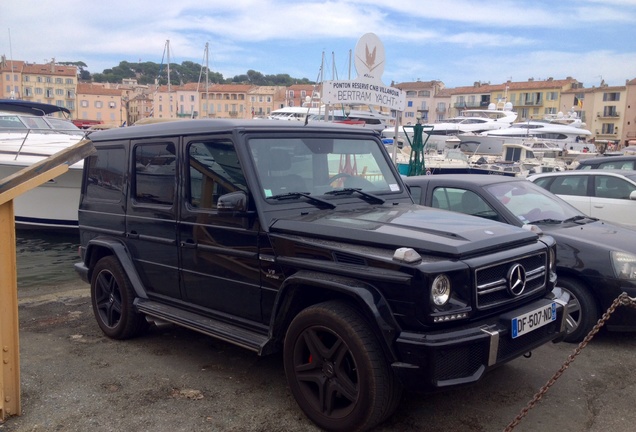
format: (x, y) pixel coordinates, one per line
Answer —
(533, 214)
(338, 176)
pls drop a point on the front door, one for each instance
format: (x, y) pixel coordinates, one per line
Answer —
(219, 248)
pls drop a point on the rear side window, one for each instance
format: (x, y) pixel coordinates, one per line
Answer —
(154, 175)
(621, 165)
(105, 175)
(612, 187)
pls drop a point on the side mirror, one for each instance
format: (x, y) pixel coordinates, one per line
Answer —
(234, 201)
(632, 195)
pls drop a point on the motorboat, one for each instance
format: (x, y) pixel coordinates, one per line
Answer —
(564, 136)
(29, 133)
(372, 118)
(469, 120)
(521, 160)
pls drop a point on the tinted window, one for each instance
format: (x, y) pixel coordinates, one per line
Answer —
(624, 165)
(154, 175)
(612, 187)
(569, 185)
(214, 171)
(105, 175)
(463, 201)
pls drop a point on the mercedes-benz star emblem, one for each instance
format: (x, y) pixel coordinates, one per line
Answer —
(516, 279)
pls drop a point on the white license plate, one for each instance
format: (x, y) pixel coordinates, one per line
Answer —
(533, 320)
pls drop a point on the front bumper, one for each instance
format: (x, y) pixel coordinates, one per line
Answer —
(431, 361)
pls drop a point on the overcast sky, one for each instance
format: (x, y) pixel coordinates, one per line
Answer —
(457, 42)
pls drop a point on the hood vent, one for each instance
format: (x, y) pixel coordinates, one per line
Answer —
(344, 258)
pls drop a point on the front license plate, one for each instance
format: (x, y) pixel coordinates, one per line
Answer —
(533, 320)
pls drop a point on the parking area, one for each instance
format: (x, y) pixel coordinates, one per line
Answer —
(76, 379)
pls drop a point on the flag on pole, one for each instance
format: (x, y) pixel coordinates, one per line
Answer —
(578, 102)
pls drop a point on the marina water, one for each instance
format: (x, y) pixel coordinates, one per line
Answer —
(46, 258)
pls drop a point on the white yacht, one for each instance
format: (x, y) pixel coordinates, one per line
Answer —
(469, 120)
(491, 142)
(29, 134)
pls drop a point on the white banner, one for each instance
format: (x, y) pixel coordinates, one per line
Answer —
(359, 92)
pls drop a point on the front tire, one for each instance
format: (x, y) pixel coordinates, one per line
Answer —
(112, 297)
(336, 369)
(582, 310)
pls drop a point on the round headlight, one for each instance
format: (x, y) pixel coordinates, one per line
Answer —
(441, 290)
(553, 259)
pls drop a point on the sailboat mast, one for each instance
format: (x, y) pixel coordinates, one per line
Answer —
(168, 55)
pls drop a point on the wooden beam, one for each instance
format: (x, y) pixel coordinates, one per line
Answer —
(9, 338)
(68, 157)
(10, 187)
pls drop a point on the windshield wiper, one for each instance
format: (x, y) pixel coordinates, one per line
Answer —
(292, 195)
(545, 221)
(579, 218)
(349, 191)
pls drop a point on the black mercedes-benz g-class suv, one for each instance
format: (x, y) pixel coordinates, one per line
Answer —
(274, 236)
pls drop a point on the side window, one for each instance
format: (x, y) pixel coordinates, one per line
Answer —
(105, 175)
(214, 170)
(416, 194)
(624, 165)
(154, 175)
(612, 187)
(569, 185)
(463, 201)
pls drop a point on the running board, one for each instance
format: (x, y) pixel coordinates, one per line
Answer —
(233, 334)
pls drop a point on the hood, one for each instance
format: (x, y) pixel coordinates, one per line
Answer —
(406, 225)
(598, 234)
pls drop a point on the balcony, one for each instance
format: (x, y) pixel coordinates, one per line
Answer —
(612, 114)
(525, 103)
(460, 105)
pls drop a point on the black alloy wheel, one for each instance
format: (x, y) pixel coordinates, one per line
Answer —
(112, 296)
(336, 369)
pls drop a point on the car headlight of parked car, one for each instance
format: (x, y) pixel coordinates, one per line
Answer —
(624, 264)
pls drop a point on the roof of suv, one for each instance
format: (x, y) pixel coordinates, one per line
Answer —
(595, 161)
(199, 126)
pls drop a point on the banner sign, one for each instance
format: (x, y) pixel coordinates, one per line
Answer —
(367, 88)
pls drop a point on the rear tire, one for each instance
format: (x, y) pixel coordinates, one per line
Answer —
(336, 369)
(582, 310)
(112, 296)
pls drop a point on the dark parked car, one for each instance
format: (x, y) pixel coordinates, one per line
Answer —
(596, 260)
(627, 162)
(303, 239)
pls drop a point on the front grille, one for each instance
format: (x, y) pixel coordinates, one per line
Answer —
(493, 284)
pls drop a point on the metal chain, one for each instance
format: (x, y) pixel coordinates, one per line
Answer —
(621, 300)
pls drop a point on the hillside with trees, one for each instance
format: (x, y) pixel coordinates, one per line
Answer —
(186, 72)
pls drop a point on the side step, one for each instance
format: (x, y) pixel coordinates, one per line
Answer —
(236, 335)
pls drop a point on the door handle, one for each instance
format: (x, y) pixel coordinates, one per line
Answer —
(188, 244)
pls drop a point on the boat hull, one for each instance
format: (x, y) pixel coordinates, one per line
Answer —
(52, 205)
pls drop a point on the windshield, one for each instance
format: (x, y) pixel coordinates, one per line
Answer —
(320, 165)
(531, 203)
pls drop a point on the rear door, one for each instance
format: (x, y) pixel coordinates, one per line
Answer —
(611, 200)
(152, 213)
